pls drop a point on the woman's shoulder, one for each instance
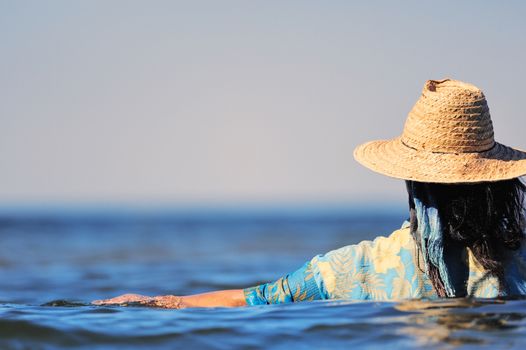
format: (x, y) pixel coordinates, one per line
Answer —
(385, 263)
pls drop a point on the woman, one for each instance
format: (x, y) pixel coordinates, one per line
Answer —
(465, 236)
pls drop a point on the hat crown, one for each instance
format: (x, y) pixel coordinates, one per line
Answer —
(449, 117)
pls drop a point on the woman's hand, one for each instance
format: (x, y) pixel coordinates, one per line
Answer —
(123, 299)
(162, 301)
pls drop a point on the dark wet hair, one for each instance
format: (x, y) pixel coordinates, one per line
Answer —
(488, 218)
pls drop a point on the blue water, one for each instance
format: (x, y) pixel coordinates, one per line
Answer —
(54, 263)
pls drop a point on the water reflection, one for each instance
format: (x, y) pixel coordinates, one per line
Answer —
(457, 322)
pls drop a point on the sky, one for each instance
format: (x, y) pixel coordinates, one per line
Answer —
(234, 101)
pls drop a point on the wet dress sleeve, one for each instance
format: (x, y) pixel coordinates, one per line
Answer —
(297, 286)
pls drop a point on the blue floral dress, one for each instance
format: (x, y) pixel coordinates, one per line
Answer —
(388, 268)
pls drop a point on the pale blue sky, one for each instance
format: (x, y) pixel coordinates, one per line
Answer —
(212, 101)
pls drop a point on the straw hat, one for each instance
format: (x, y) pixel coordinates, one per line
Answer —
(447, 138)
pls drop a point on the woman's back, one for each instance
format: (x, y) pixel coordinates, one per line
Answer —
(391, 268)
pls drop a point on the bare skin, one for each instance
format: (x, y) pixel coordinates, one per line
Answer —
(223, 298)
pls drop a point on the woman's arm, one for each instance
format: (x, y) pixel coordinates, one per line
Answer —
(222, 298)
(297, 286)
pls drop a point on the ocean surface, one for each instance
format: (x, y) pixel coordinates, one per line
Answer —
(54, 262)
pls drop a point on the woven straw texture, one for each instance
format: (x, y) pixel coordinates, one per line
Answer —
(448, 138)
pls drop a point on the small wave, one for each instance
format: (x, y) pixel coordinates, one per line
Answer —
(22, 328)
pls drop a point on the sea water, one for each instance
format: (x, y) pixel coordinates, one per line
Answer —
(53, 263)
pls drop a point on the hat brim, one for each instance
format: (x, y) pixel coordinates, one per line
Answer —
(393, 158)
